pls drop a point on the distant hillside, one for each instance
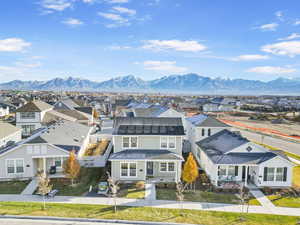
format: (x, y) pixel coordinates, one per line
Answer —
(173, 83)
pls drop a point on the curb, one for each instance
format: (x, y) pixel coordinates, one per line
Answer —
(68, 219)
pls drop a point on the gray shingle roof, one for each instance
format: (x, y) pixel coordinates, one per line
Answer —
(202, 120)
(65, 134)
(143, 154)
(148, 126)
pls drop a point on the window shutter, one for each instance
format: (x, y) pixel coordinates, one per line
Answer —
(265, 173)
(236, 171)
(218, 170)
(284, 173)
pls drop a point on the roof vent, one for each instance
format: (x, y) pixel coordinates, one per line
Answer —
(249, 149)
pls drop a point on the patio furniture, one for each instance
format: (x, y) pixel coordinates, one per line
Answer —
(52, 193)
(52, 170)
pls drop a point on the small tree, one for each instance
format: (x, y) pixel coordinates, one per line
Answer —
(113, 187)
(44, 186)
(71, 167)
(180, 193)
(95, 114)
(190, 170)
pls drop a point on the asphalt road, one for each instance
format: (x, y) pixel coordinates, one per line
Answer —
(284, 145)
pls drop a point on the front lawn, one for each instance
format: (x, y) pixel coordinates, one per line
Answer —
(201, 196)
(143, 214)
(131, 191)
(12, 187)
(88, 177)
(296, 176)
(293, 202)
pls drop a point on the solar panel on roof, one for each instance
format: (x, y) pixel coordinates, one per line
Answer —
(155, 129)
(139, 129)
(131, 130)
(162, 130)
(147, 129)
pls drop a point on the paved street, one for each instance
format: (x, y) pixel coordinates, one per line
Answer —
(275, 142)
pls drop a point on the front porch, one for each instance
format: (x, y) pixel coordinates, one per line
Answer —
(45, 163)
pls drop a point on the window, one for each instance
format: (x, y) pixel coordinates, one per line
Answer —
(280, 174)
(222, 171)
(10, 166)
(270, 174)
(130, 142)
(167, 142)
(15, 166)
(20, 166)
(167, 167)
(208, 132)
(164, 142)
(128, 169)
(172, 141)
(203, 132)
(28, 129)
(27, 115)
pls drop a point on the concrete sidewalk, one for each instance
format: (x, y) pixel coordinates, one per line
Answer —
(30, 188)
(155, 203)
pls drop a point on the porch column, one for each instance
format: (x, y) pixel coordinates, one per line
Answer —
(246, 176)
(44, 165)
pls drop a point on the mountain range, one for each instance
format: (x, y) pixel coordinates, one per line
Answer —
(188, 83)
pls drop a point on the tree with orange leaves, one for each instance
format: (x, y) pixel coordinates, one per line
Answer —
(71, 167)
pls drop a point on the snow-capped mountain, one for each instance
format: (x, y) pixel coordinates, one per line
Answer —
(173, 83)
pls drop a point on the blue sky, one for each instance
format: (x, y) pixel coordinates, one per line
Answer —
(100, 39)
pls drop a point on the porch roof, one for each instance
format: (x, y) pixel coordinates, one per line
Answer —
(145, 154)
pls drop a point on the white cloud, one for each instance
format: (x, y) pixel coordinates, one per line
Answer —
(73, 22)
(56, 5)
(177, 45)
(279, 15)
(250, 57)
(268, 27)
(118, 47)
(123, 10)
(164, 66)
(13, 45)
(113, 16)
(117, 1)
(271, 70)
(288, 48)
(290, 37)
(88, 1)
(297, 23)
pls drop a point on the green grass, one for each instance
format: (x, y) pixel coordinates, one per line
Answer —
(12, 187)
(144, 214)
(131, 192)
(201, 196)
(65, 188)
(293, 202)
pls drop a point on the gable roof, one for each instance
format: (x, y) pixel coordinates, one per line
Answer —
(85, 109)
(148, 126)
(203, 120)
(149, 112)
(69, 103)
(34, 106)
(64, 134)
(7, 129)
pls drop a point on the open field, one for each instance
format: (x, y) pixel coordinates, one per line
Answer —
(144, 214)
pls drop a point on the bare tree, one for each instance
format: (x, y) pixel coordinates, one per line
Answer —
(44, 186)
(180, 188)
(113, 187)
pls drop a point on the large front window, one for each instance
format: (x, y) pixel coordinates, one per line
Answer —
(58, 162)
(222, 170)
(167, 167)
(270, 174)
(279, 174)
(231, 170)
(15, 166)
(128, 169)
(275, 174)
(28, 129)
(27, 115)
(130, 142)
(167, 142)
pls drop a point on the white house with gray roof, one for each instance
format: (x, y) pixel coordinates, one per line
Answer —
(202, 126)
(147, 148)
(228, 158)
(9, 134)
(44, 148)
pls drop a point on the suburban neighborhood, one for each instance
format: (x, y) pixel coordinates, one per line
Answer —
(94, 149)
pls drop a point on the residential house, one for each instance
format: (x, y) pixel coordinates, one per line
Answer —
(9, 134)
(30, 117)
(48, 147)
(227, 157)
(148, 149)
(202, 126)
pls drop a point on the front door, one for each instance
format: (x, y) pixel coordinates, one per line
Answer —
(149, 168)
